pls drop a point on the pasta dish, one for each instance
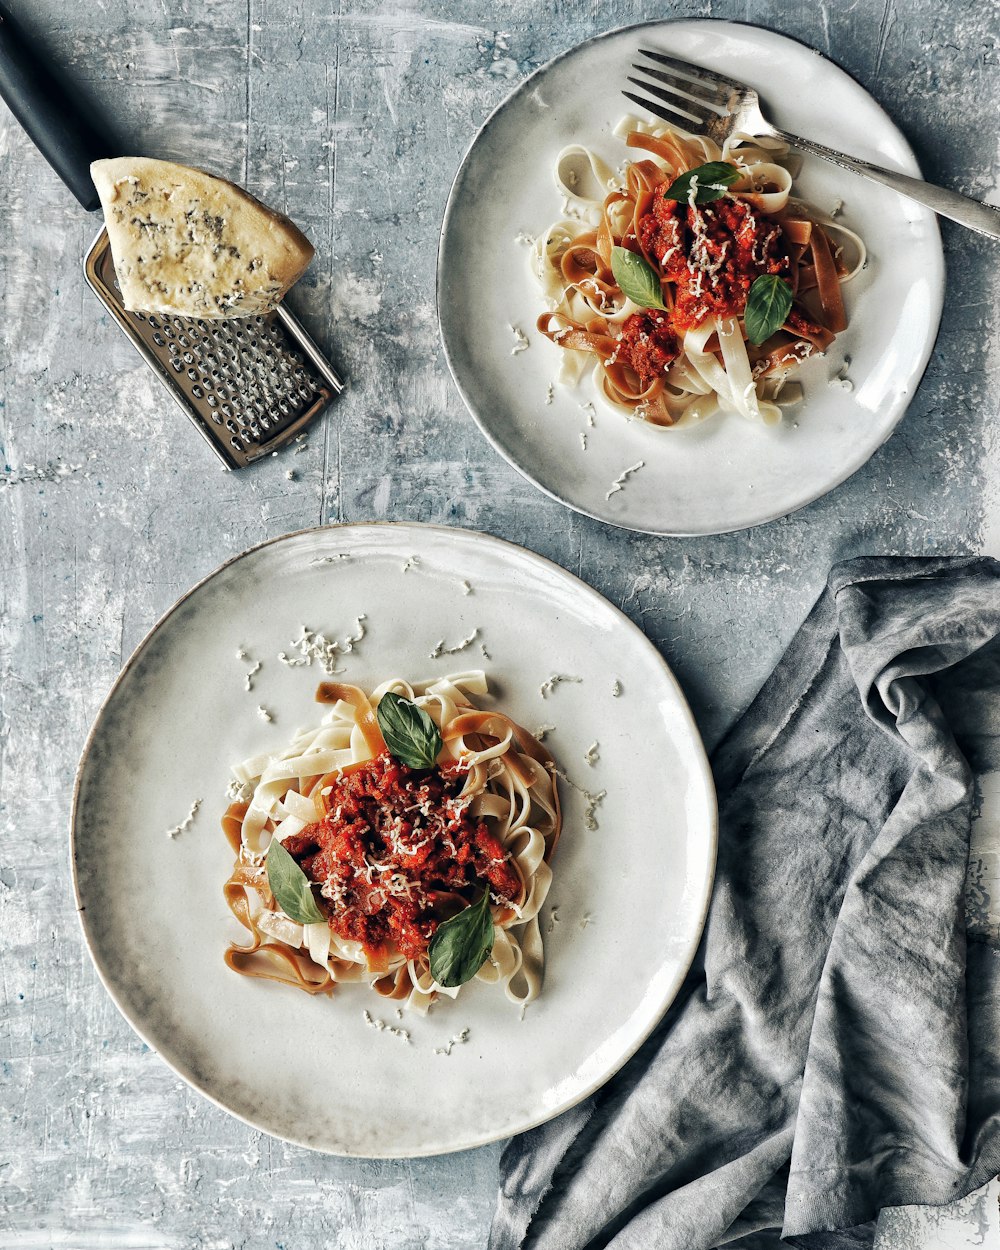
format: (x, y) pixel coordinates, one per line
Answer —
(403, 842)
(694, 281)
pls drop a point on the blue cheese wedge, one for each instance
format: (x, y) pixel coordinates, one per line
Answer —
(189, 244)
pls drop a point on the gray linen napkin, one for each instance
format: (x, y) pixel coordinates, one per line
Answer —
(836, 1047)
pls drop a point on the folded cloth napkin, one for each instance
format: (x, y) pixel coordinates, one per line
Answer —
(836, 1047)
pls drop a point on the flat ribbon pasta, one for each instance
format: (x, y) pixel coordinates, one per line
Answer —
(508, 785)
(714, 368)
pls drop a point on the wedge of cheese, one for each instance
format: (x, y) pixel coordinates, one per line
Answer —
(187, 243)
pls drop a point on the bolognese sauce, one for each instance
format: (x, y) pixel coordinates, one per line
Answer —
(713, 253)
(394, 844)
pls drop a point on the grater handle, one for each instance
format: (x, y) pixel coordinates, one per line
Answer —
(51, 119)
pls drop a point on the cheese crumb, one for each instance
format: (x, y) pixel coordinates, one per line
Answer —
(616, 689)
(550, 683)
(315, 646)
(340, 555)
(619, 482)
(591, 412)
(466, 588)
(459, 1040)
(440, 649)
(592, 754)
(411, 563)
(841, 379)
(380, 1026)
(249, 675)
(593, 801)
(264, 714)
(521, 343)
(187, 822)
(550, 391)
(583, 440)
(542, 732)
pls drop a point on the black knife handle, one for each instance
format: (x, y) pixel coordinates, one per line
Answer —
(51, 119)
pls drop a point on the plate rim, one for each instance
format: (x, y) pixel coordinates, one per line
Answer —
(703, 774)
(938, 292)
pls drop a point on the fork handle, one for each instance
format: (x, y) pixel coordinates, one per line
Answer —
(967, 212)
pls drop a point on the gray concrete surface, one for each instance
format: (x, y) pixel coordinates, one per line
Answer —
(354, 116)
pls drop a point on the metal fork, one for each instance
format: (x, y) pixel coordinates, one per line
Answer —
(700, 101)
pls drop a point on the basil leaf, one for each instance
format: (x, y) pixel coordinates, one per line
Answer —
(410, 734)
(459, 947)
(290, 886)
(768, 306)
(637, 278)
(713, 180)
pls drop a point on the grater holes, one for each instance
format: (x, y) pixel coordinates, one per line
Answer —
(249, 379)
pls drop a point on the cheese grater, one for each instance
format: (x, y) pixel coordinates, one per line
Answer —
(249, 384)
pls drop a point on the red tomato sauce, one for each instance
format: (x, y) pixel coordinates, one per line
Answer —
(712, 252)
(393, 840)
(647, 344)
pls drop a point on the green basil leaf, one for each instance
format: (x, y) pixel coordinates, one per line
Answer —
(768, 306)
(713, 180)
(410, 734)
(637, 278)
(291, 887)
(459, 947)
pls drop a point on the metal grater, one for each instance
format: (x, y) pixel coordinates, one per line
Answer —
(249, 384)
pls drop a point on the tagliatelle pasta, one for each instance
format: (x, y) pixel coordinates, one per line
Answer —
(392, 851)
(677, 365)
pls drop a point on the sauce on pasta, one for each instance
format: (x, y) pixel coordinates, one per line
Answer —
(712, 253)
(694, 358)
(391, 852)
(394, 846)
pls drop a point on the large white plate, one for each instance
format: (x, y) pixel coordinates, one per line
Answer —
(726, 474)
(627, 903)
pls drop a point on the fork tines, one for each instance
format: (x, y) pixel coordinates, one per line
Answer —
(689, 94)
(717, 83)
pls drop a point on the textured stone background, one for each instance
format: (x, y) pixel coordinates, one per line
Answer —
(354, 118)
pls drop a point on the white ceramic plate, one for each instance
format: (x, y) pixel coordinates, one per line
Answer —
(625, 910)
(726, 474)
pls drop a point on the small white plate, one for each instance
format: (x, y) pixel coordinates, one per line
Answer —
(626, 906)
(726, 474)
